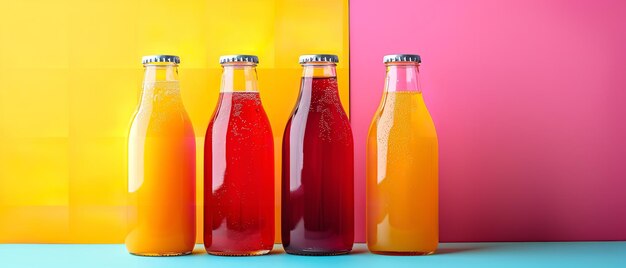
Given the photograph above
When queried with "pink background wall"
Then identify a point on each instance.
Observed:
(529, 100)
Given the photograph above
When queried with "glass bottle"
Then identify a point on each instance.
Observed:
(402, 166)
(161, 166)
(239, 166)
(318, 166)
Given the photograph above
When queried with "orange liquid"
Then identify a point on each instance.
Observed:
(161, 175)
(402, 177)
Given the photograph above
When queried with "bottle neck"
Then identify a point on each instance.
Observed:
(402, 76)
(160, 84)
(319, 70)
(239, 77)
(319, 85)
(160, 72)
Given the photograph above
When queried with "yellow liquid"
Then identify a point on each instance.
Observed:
(161, 181)
(402, 177)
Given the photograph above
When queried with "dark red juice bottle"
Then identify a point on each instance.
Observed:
(317, 173)
(239, 166)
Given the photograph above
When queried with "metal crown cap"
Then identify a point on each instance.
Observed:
(402, 58)
(160, 58)
(239, 58)
(319, 58)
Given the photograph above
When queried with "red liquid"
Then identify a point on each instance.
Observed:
(318, 174)
(239, 178)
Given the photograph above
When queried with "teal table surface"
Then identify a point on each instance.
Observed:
(552, 254)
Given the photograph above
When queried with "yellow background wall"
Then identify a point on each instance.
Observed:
(70, 76)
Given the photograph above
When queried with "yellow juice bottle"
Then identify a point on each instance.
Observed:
(161, 166)
(402, 167)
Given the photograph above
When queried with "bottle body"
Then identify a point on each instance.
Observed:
(318, 157)
(161, 164)
(239, 171)
(402, 170)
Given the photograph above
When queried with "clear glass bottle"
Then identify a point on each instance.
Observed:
(318, 166)
(161, 166)
(239, 166)
(402, 166)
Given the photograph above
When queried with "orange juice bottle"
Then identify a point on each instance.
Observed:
(161, 166)
(402, 166)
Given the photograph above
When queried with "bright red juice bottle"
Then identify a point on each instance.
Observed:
(318, 166)
(239, 166)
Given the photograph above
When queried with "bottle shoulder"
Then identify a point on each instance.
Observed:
(234, 120)
(320, 128)
(151, 121)
(408, 116)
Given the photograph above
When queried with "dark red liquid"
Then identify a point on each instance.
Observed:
(318, 175)
(239, 177)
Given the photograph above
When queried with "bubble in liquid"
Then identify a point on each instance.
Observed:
(326, 108)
